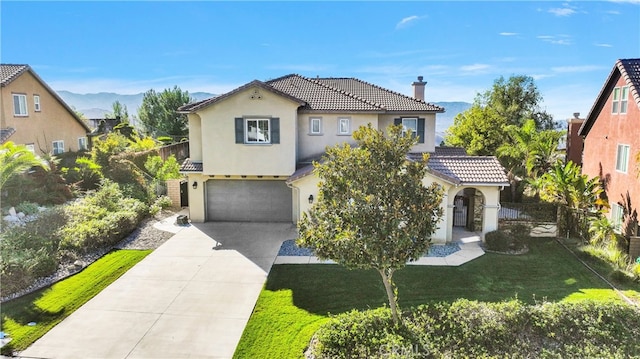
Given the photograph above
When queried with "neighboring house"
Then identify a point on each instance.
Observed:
(252, 150)
(612, 136)
(35, 115)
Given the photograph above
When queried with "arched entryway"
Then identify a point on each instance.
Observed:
(468, 210)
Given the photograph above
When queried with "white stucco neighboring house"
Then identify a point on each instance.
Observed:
(252, 150)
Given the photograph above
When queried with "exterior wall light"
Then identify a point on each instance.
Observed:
(310, 199)
(195, 184)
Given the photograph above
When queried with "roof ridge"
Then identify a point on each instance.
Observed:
(344, 92)
(394, 92)
(621, 65)
(281, 78)
(22, 69)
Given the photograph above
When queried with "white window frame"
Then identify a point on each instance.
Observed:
(344, 126)
(313, 121)
(82, 143)
(31, 147)
(407, 129)
(624, 99)
(36, 103)
(21, 110)
(622, 158)
(617, 215)
(620, 101)
(58, 147)
(248, 129)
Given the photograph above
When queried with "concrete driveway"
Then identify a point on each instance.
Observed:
(190, 298)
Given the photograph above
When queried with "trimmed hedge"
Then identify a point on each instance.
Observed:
(471, 329)
(500, 241)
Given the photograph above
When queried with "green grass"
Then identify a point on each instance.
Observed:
(297, 299)
(49, 306)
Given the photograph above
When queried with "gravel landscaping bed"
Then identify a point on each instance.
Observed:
(145, 236)
(289, 248)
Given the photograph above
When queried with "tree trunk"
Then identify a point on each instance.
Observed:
(389, 287)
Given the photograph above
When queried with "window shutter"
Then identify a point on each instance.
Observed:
(275, 130)
(421, 130)
(397, 121)
(239, 130)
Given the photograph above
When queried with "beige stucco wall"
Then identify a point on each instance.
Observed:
(195, 137)
(222, 156)
(53, 123)
(302, 189)
(197, 197)
(429, 144)
(311, 145)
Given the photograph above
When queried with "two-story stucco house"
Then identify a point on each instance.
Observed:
(252, 150)
(611, 134)
(34, 115)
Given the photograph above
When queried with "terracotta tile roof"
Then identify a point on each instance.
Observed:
(462, 170)
(331, 95)
(456, 169)
(390, 100)
(10, 72)
(5, 133)
(629, 69)
(449, 151)
(189, 166)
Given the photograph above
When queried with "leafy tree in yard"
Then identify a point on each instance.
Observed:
(373, 210)
(119, 112)
(158, 112)
(16, 159)
(481, 129)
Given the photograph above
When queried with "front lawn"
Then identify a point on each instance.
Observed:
(297, 299)
(49, 306)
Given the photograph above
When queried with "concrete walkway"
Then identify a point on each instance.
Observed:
(190, 298)
(470, 249)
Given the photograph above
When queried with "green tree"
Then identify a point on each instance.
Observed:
(565, 184)
(373, 210)
(16, 159)
(159, 116)
(119, 112)
(481, 129)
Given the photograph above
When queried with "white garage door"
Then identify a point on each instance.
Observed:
(248, 201)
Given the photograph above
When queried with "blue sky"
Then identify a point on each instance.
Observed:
(460, 48)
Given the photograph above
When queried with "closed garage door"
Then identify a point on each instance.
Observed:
(248, 201)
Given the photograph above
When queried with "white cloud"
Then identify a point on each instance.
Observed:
(407, 21)
(603, 45)
(613, 12)
(508, 33)
(635, 2)
(556, 39)
(475, 67)
(565, 10)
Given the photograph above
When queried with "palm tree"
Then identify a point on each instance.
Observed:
(16, 159)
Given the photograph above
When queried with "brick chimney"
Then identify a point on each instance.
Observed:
(418, 88)
(575, 143)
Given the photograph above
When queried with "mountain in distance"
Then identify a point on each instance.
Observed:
(96, 105)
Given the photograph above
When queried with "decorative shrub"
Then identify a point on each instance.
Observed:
(28, 208)
(499, 241)
(101, 219)
(29, 251)
(471, 329)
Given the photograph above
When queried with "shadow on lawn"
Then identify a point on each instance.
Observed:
(546, 272)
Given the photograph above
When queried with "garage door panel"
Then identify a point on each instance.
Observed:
(248, 200)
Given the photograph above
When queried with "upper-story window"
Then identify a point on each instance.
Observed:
(20, 105)
(622, 158)
(257, 130)
(315, 125)
(82, 143)
(31, 147)
(58, 147)
(410, 126)
(620, 100)
(36, 103)
(344, 126)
